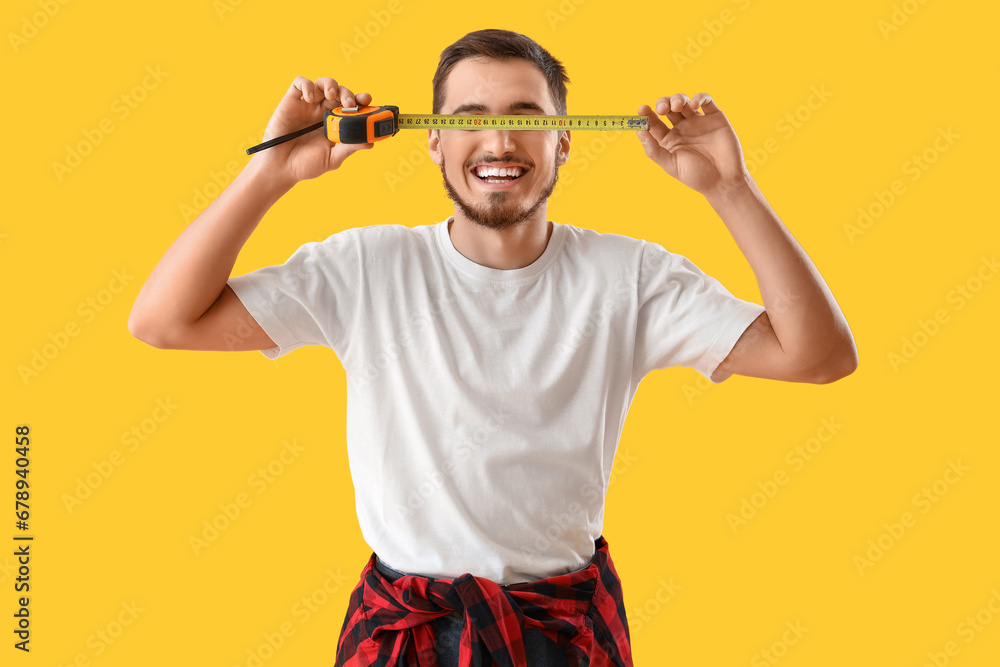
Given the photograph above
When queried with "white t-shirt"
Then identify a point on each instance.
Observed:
(485, 406)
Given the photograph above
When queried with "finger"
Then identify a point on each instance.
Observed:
(656, 127)
(663, 108)
(364, 99)
(327, 84)
(332, 100)
(677, 101)
(347, 98)
(683, 105)
(331, 92)
(709, 106)
(295, 90)
(701, 100)
(303, 89)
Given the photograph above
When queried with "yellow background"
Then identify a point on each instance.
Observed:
(690, 453)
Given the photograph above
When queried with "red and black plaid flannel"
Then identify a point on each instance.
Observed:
(387, 622)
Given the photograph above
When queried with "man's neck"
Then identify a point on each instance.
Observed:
(511, 248)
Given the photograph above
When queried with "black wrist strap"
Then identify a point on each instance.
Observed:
(283, 138)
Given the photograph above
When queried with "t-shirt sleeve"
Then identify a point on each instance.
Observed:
(308, 299)
(685, 317)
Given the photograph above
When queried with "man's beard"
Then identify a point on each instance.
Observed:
(502, 209)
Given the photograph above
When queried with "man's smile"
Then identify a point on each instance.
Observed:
(498, 175)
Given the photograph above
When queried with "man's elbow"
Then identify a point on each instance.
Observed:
(835, 366)
(149, 334)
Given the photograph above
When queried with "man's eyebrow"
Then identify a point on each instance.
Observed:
(526, 106)
(515, 106)
(470, 107)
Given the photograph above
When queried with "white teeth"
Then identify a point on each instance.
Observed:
(484, 172)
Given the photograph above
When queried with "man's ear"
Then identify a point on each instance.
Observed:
(562, 149)
(434, 145)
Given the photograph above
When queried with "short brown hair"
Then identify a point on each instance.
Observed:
(501, 45)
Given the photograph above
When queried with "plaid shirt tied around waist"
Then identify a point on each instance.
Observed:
(387, 622)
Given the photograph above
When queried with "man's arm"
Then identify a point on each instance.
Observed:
(802, 336)
(186, 302)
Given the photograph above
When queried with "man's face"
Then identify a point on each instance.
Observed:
(530, 160)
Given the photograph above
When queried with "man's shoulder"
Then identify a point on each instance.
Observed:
(584, 239)
(384, 233)
(380, 247)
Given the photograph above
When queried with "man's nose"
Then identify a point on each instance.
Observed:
(498, 142)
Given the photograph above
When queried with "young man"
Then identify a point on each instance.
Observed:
(491, 357)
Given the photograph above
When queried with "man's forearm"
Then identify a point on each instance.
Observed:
(193, 272)
(803, 313)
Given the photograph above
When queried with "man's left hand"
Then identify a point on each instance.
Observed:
(701, 150)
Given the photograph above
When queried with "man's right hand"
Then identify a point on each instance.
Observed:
(312, 154)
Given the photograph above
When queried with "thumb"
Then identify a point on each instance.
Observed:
(354, 148)
(347, 150)
(340, 152)
(654, 150)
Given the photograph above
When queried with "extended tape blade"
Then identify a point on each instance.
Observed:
(519, 122)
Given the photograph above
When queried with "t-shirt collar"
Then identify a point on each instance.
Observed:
(466, 265)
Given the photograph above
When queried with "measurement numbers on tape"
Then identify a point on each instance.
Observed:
(520, 122)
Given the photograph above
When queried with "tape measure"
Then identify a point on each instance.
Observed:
(368, 124)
